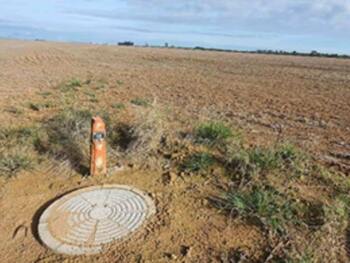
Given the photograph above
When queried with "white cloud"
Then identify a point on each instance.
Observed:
(296, 14)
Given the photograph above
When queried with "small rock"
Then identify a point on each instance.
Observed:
(170, 255)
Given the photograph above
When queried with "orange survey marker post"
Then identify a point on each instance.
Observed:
(98, 151)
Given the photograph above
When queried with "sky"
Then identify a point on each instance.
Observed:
(301, 25)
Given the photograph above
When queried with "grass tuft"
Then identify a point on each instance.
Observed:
(11, 164)
(15, 149)
(118, 106)
(140, 102)
(249, 162)
(73, 83)
(39, 106)
(212, 133)
(66, 136)
(265, 206)
(198, 162)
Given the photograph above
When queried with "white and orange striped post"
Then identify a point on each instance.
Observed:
(98, 149)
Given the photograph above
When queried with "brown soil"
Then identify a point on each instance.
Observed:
(303, 100)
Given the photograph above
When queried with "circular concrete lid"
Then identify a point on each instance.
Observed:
(82, 221)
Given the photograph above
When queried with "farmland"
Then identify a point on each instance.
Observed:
(247, 156)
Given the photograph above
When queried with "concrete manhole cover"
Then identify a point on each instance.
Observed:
(83, 221)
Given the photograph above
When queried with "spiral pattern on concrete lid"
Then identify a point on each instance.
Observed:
(83, 221)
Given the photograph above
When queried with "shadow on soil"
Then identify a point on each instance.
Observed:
(35, 219)
(121, 136)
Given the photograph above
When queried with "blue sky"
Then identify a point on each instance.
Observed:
(301, 25)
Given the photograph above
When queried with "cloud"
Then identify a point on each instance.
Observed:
(273, 15)
(277, 24)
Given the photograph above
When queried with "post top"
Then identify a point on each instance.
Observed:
(98, 124)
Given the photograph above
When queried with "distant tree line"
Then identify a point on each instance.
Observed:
(126, 43)
(313, 53)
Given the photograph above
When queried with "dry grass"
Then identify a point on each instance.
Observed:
(17, 150)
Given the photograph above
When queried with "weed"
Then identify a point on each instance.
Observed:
(147, 132)
(119, 106)
(119, 82)
(268, 194)
(71, 85)
(45, 93)
(90, 94)
(263, 158)
(101, 86)
(290, 157)
(313, 215)
(10, 137)
(140, 102)
(74, 83)
(10, 164)
(268, 207)
(67, 136)
(14, 110)
(249, 162)
(94, 100)
(198, 162)
(39, 106)
(212, 133)
(15, 144)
